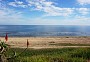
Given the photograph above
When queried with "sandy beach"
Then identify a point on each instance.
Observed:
(46, 42)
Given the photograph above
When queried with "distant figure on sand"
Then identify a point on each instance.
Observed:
(6, 37)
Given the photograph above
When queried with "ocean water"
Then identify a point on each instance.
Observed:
(44, 30)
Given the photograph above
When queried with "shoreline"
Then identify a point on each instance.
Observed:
(47, 36)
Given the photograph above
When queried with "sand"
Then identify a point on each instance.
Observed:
(44, 42)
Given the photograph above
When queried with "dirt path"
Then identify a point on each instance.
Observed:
(44, 47)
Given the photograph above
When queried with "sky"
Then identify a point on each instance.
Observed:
(44, 12)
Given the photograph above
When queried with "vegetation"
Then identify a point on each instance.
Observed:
(44, 55)
(8, 54)
(51, 55)
(5, 56)
(68, 44)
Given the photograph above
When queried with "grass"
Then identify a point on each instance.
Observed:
(68, 44)
(52, 55)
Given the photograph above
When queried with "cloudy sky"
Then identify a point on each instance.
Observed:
(44, 12)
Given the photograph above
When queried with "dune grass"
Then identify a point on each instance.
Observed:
(68, 44)
(51, 55)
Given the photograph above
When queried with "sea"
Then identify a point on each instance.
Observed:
(43, 30)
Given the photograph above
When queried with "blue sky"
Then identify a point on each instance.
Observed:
(44, 12)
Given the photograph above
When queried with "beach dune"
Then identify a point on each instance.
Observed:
(45, 42)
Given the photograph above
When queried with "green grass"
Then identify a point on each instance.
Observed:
(52, 55)
(68, 44)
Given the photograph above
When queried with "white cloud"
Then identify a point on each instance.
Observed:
(65, 21)
(81, 18)
(83, 2)
(83, 11)
(14, 17)
(5, 13)
(17, 4)
(13, 4)
(10, 16)
(49, 8)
